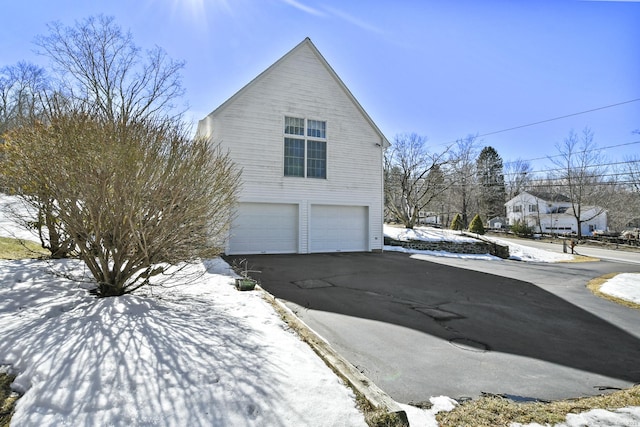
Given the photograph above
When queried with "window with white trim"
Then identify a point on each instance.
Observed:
(305, 148)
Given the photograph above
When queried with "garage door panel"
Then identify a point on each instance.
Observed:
(264, 228)
(337, 228)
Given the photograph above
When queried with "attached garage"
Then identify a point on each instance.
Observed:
(277, 228)
(264, 228)
(336, 228)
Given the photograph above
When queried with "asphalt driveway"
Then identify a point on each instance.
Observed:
(421, 329)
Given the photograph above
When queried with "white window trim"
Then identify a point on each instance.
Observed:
(306, 139)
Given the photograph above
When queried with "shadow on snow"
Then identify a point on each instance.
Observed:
(124, 351)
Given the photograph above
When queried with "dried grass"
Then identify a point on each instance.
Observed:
(7, 399)
(20, 249)
(580, 258)
(496, 411)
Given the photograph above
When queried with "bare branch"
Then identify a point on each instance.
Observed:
(413, 178)
(101, 67)
(579, 163)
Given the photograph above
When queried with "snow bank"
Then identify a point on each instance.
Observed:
(526, 253)
(625, 286)
(517, 252)
(625, 417)
(419, 254)
(425, 234)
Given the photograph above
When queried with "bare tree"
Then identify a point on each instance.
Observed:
(22, 87)
(413, 178)
(580, 169)
(100, 66)
(135, 198)
(462, 163)
(626, 211)
(518, 176)
(631, 171)
(99, 70)
(111, 168)
(25, 95)
(625, 206)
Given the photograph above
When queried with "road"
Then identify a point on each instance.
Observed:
(586, 250)
(462, 327)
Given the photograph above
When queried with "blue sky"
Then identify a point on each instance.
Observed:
(443, 69)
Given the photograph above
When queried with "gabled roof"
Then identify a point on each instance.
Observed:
(307, 43)
(549, 197)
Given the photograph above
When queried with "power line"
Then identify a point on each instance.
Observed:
(586, 151)
(543, 185)
(561, 117)
(598, 165)
(548, 120)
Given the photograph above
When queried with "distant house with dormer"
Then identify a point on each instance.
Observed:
(553, 214)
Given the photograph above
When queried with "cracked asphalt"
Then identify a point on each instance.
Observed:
(420, 329)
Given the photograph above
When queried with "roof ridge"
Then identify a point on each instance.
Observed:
(307, 41)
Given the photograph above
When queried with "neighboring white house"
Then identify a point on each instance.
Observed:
(553, 214)
(311, 160)
(497, 222)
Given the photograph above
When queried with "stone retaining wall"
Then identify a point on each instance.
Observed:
(479, 247)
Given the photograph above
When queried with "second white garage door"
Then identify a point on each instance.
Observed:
(335, 228)
(268, 228)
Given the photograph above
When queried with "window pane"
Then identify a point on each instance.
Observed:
(293, 126)
(316, 129)
(293, 157)
(316, 159)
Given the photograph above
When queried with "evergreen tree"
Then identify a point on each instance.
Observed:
(490, 176)
(476, 225)
(457, 223)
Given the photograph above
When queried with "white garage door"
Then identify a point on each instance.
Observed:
(268, 228)
(339, 228)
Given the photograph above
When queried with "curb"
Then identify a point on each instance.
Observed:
(356, 379)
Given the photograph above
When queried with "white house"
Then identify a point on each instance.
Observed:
(553, 214)
(311, 160)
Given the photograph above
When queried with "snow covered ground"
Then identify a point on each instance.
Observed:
(430, 234)
(525, 253)
(624, 417)
(195, 352)
(9, 207)
(192, 352)
(426, 234)
(625, 286)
